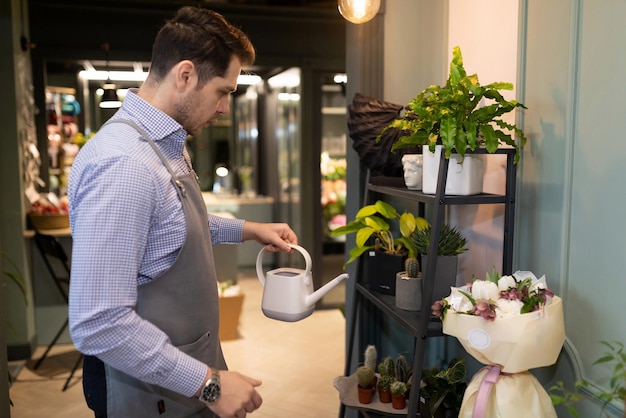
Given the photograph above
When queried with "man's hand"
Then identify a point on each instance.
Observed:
(238, 396)
(277, 236)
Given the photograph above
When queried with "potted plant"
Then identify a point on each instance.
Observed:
(366, 385)
(409, 286)
(383, 252)
(451, 244)
(443, 390)
(462, 115)
(398, 394)
(387, 372)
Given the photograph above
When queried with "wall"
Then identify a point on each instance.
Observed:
(572, 175)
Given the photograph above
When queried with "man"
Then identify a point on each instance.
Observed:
(143, 297)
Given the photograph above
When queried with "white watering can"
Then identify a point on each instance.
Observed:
(288, 292)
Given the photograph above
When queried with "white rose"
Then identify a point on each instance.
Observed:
(482, 289)
(458, 301)
(506, 282)
(508, 308)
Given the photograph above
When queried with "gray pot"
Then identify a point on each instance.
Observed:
(445, 275)
(408, 292)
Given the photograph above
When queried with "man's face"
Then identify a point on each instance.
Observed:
(201, 107)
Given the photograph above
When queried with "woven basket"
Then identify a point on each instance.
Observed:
(51, 221)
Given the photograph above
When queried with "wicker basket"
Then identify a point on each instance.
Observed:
(51, 221)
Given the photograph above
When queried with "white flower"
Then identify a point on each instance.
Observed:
(482, 289)
(458, 301)
(522, 275)
(508, 308)
(506, 282)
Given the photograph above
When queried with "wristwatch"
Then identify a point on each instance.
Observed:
(212, 389)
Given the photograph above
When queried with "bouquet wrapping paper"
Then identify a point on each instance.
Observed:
(518, 395)
(509, 347)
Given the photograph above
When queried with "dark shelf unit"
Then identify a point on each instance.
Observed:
(421, 327)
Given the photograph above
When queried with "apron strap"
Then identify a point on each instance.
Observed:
(180, 188)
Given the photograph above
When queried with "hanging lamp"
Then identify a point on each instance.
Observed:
(358, 11)
(109, 98)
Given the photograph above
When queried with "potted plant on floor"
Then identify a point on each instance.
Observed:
(383, 253)
(443, 390)
(451, 244)
(462, 115)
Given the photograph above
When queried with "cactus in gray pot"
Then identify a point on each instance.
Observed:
(412, 267)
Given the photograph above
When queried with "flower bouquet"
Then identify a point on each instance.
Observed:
(511, 324)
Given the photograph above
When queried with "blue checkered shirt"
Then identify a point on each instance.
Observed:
(127, 227)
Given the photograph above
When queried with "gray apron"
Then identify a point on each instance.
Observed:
(183, 303)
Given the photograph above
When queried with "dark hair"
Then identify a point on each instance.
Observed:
(205, 38)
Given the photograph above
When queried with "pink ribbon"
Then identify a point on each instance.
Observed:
(489, 379)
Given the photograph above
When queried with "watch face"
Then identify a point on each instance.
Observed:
(211, 392)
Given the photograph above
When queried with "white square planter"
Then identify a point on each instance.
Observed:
(463, 179)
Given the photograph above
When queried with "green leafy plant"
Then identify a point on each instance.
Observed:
(615, 356)
(373, 228)
(444, 388)
(451, 241)
(454, 115)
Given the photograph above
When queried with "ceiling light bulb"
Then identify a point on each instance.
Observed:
(358, 11)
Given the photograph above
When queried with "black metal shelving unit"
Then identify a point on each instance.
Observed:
(422, 325)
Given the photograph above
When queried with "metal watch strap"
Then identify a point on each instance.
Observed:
(212, 388)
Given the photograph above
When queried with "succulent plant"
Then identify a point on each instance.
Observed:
(371, 356)
(387, 368)
(412, 267)
(365, 376)
(451, 241)
(398, 388)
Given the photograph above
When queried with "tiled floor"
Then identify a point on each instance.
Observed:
(297, 363)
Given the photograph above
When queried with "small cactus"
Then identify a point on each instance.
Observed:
(365, 376)
(387, 368)
(411, 266)
(385, 382)
(398, 388)
(371, 356)
(401, 368)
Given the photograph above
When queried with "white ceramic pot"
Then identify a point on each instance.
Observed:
(463, 179)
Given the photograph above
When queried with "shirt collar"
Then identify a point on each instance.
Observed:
(157, 123)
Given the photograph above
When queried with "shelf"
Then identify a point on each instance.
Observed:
(422, 325)
(394, 186)
(409, 320)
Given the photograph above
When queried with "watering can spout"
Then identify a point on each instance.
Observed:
(313, 298)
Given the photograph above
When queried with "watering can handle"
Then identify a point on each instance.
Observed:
(305, 254)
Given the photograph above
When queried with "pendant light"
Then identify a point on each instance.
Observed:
(358, 11)
(109, 90)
